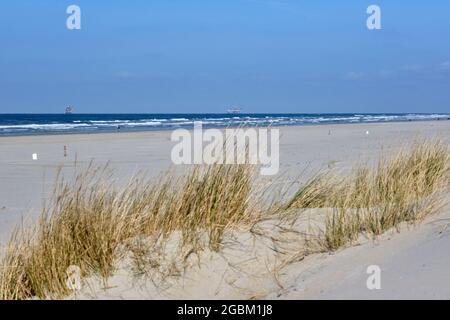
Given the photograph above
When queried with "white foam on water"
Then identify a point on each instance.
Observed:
(113, 124)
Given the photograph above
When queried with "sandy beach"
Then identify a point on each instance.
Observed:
(414, 262)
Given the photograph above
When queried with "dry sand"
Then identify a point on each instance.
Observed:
(414, 263)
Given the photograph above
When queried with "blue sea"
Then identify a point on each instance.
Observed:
(29, 124)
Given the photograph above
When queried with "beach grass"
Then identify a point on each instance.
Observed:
(370, 200)
(89, 219)
(91, 222)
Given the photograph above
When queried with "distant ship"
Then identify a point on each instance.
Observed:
(234, 110)
(69, 110)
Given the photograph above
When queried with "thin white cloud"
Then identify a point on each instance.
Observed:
(412, 67)
(386, 73)
(445, 65)
(353, 75)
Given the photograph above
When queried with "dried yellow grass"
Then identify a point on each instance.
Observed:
(91, 223)
(89, 220)
(371, 200)
(208, 198)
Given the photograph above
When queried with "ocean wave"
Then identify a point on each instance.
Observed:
(179, 119)
(54, 126)
(132, 122)
(108, 121)
(147, 123)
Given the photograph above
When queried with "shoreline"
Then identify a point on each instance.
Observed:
(159, 130)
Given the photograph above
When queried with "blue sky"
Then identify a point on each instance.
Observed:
(206, 55)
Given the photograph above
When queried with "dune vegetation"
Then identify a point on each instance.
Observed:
(371, 200)
(92, 223)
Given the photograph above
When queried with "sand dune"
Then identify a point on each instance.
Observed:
(413, 263)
